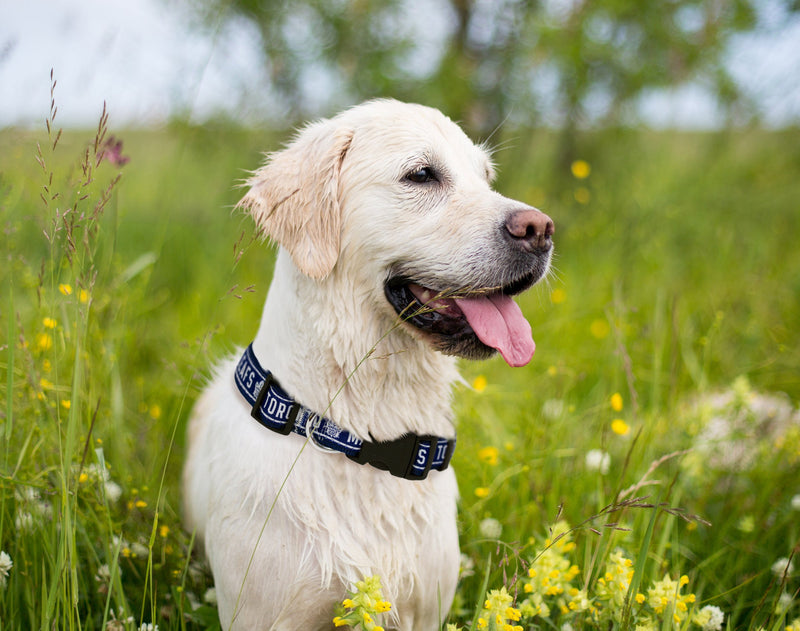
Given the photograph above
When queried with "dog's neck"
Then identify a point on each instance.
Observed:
(315, 338)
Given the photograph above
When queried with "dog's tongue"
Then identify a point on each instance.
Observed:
(499, 323)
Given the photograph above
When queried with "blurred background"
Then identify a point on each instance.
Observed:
(563, 63)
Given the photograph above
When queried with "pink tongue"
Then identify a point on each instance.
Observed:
(499, 323)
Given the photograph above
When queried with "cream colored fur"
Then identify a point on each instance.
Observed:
(333, 200)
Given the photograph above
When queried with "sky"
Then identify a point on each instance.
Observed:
(147, 61)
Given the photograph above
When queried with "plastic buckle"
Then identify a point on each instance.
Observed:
(255, 412)
(398, 456)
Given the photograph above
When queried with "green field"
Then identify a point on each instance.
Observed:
(668, 352)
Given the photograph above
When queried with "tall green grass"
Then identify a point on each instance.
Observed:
(677, 277)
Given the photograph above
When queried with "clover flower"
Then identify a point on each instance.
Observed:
(5, 567)
(31, 509)
(598, 460)
(782, 566)
(364, 603)
(553, 408)
(466, 567)
(710, 618)
(490, 528)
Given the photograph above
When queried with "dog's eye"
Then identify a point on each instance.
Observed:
(422, 176)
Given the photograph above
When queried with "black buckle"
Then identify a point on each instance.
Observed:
(398, 456)
(255, 412)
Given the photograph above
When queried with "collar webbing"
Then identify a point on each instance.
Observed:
(410, 456)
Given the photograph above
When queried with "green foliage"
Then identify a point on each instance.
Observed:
(485, 61)
(672, 310)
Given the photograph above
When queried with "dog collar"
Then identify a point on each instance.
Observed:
(411, 456)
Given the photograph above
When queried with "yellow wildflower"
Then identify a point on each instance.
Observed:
(557, 296)
(667, 592)
(479, 384)
(163, 531)
(616, 402)
(599, 329)
(50, 323)
(580, 169)
(44, 342)
(620, 427)
(481, 492)
(84, 296)
(488, 455)
(582, 195)
(65, 289)
(66, 404)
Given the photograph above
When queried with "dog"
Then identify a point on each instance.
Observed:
(320, 455)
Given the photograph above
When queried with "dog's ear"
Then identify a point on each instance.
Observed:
(294, 197)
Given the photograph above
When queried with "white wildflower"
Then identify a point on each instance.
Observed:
(103, 574)
(210, 597)
(23, 521)
(148, 626)
(113, 490)
(710, 618)
(467, 567)
(490, 528)
(598, 460)
(5, 567)
(795, 503)
(553, 408)
(782, 566)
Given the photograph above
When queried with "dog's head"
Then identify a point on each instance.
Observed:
(398, 198)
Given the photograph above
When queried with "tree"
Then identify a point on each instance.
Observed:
(483, 61)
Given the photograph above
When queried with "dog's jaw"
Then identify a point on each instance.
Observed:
(375, 380)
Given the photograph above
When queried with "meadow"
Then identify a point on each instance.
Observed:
(642, 472)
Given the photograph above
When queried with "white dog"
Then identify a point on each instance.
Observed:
(380, 210)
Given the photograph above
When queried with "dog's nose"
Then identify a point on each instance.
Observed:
(530, 228)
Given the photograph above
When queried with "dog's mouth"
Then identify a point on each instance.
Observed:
(470, 322)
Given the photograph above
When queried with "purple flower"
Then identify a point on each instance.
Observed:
(111, 150)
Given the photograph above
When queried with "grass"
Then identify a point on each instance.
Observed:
(677, 278)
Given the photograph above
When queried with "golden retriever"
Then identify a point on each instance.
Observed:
(320, 455)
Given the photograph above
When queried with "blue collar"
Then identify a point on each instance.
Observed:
(410, 456)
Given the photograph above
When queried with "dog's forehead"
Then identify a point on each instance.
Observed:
(403, 131)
